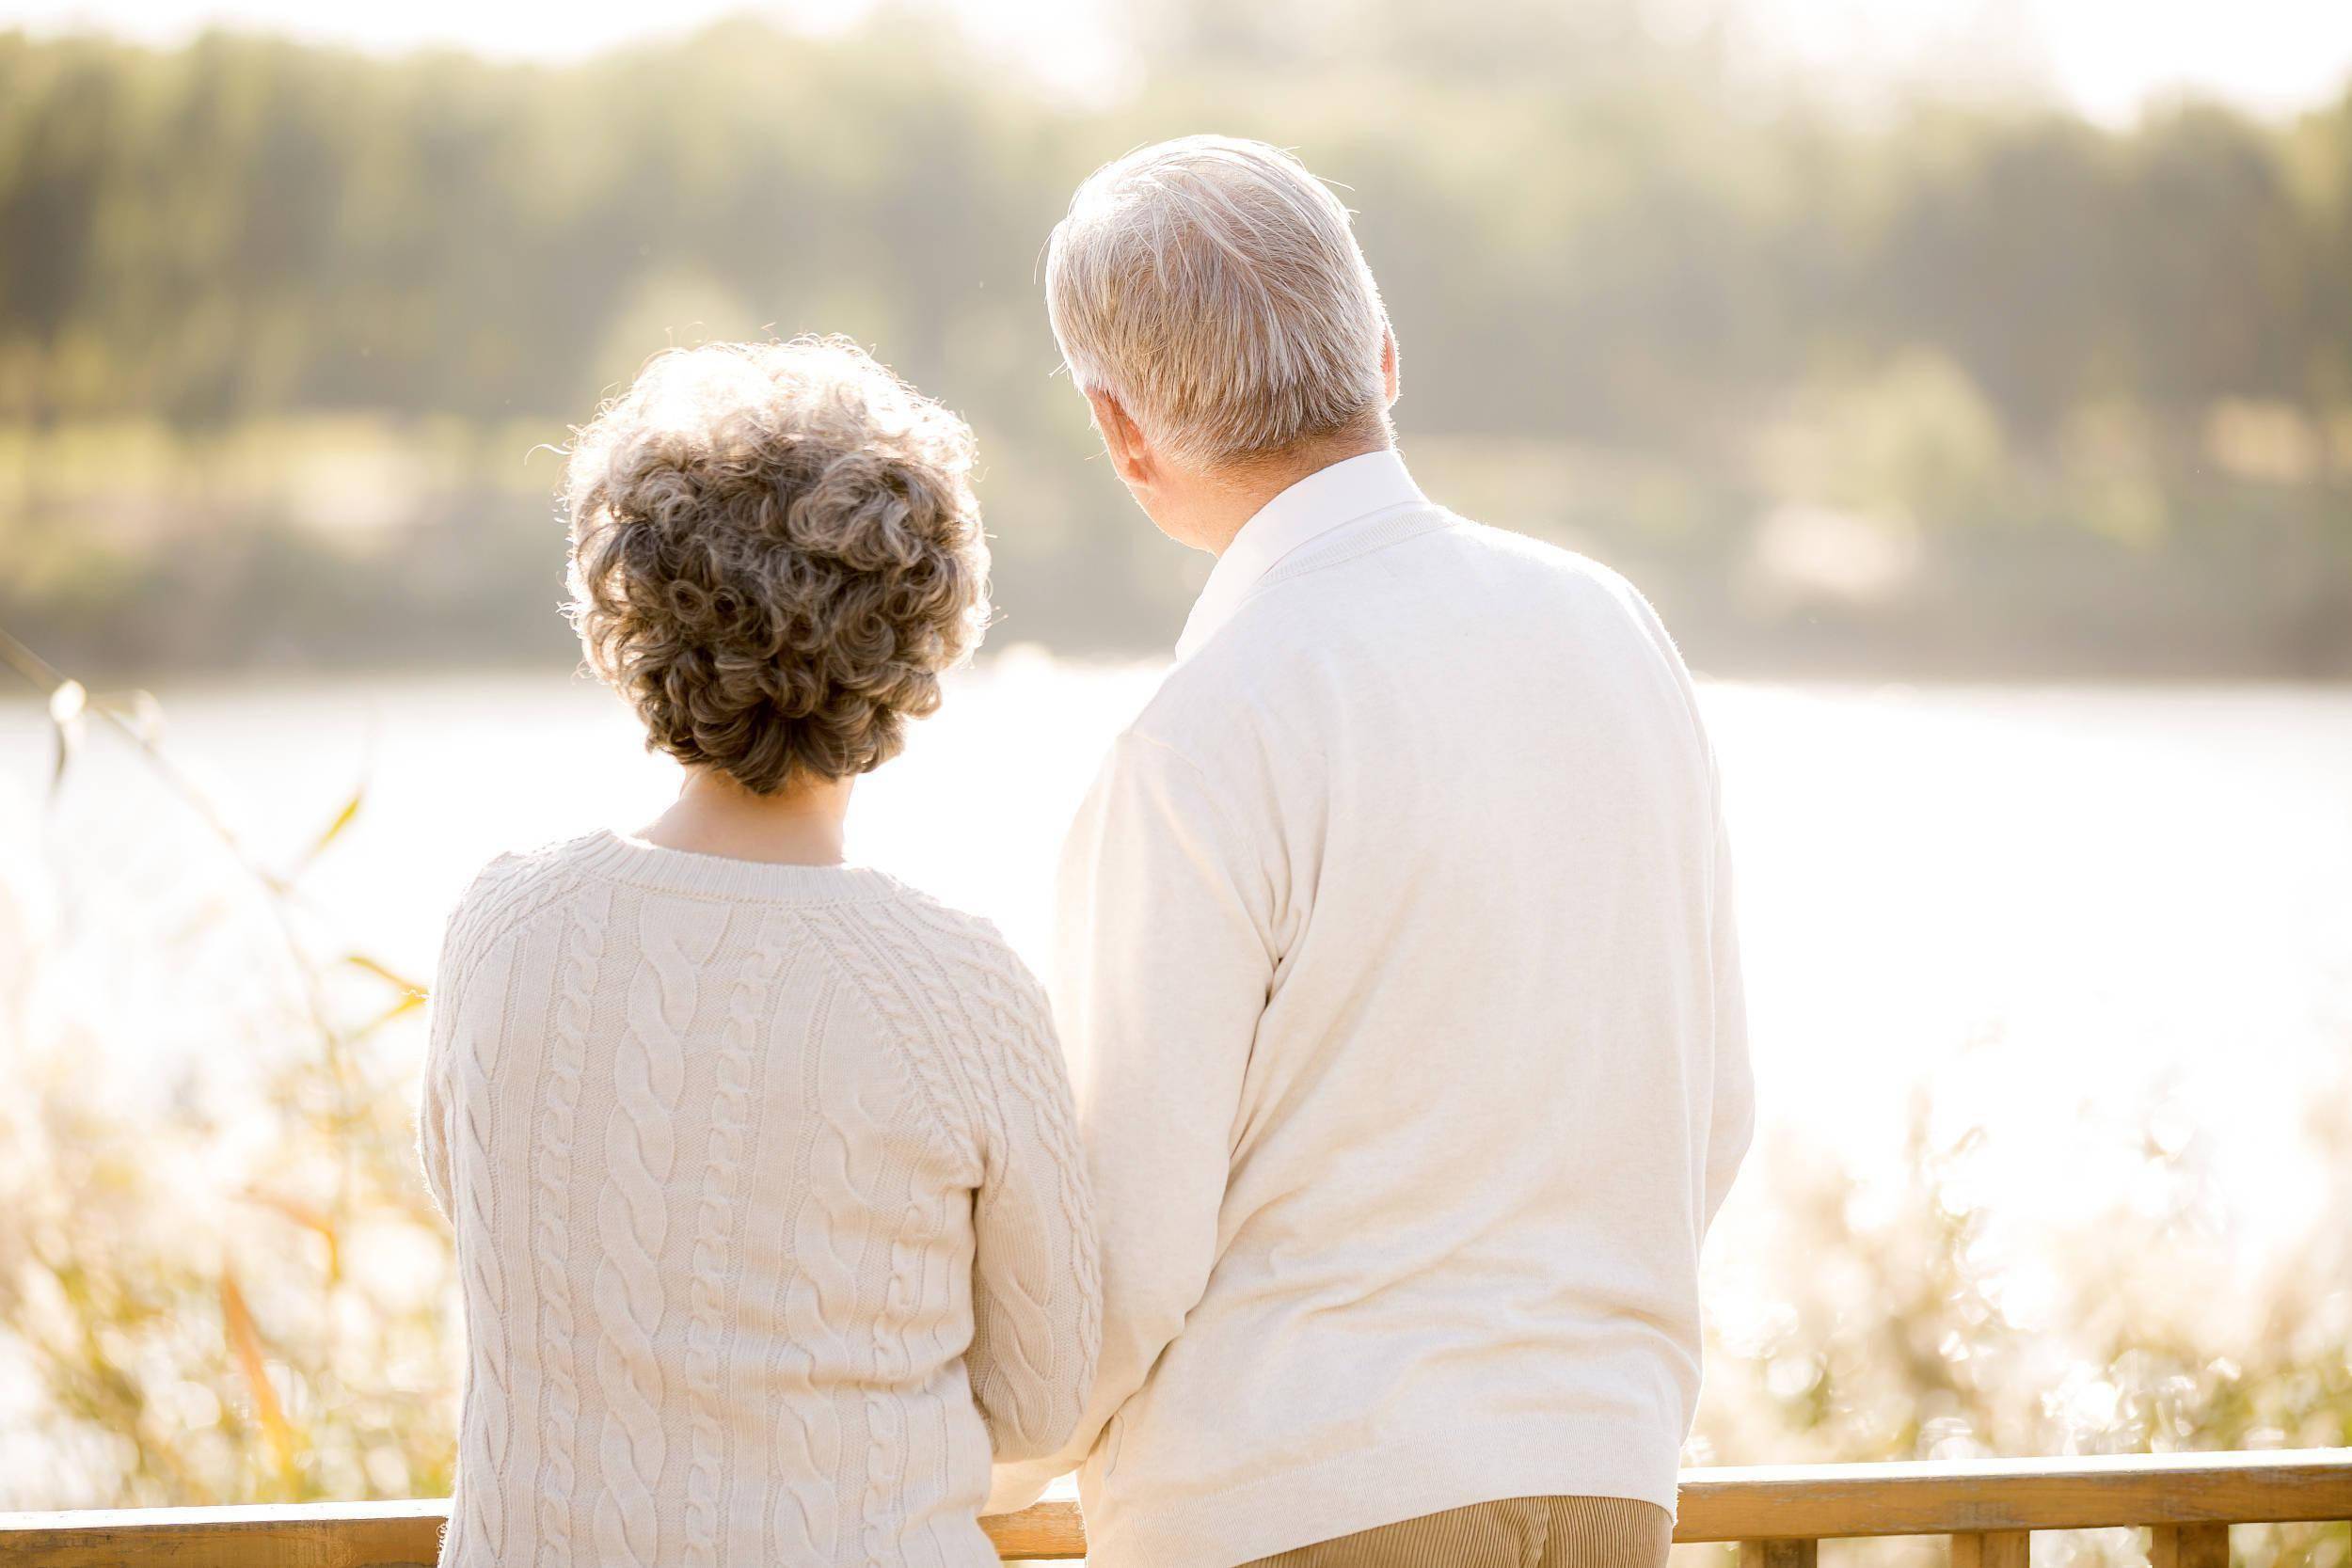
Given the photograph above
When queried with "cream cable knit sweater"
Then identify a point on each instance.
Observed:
(771, 1221)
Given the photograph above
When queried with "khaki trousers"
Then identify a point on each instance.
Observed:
(1516, 1532)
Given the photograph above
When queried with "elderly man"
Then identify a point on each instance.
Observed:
(1397, 967)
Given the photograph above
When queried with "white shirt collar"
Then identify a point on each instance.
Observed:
(1346, 492)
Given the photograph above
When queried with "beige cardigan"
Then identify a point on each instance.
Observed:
(1402, 991)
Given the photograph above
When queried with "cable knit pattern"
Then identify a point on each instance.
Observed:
(736, 1066)
(505, 896)
(551, 1245)
(951, 957)
(806, 1436)
(481, 1516)
(633, 1218)
(772, 1221)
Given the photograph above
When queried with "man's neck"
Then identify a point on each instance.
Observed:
(1235, 497)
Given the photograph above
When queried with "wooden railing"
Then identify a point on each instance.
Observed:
(1778, 1515)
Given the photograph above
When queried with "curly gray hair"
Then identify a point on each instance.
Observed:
(775, 553)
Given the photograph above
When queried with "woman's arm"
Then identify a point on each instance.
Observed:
(1036, 1288)
(432, 1108)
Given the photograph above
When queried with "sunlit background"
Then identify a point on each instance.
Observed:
(1970, 385)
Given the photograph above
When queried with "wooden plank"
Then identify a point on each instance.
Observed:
(1822, 1501)
(1779, 1554)
(2008, 1549)
(339, 1535)
(1792, 1506)
(353, 1535)
(2189, 1547)
(1050, 1530)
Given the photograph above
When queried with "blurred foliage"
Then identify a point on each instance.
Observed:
(216, 1294)
(1899, 1317)
(282, 328)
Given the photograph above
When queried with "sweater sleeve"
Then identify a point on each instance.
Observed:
(1036, 1289)
(1163, 971)
(433, 1109)
(1732, 1116)
(475, 921)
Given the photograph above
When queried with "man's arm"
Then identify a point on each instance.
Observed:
(1164, 963)
(1732, 1121)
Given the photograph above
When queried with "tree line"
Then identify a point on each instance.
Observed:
(1647, 308)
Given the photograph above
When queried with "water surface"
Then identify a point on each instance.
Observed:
(2079, 918)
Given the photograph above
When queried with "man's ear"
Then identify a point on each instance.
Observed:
(1391, 379)
(1130, 454)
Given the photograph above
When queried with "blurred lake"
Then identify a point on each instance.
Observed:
(2088, 921)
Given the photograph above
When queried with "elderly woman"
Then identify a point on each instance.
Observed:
(771, 1221)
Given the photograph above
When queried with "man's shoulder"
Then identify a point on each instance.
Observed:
(1508, 551)
(1571, 578)
(1221, 689)
(1336, 600)
(1455, 548)
(1299, 643)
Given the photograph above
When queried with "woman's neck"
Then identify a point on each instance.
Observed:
(799, 825)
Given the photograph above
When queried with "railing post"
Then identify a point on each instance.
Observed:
(1779, 1554)
(2001, 1548)
(2189, 1547)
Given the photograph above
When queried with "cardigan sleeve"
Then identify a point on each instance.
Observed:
(1164, 965)
(1731, 1123)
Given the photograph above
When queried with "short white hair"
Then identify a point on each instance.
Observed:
(1214, 288)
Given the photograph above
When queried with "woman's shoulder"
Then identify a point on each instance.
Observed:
(931, 913)
(945, 980)
(957, 961)
(974, 936)
(508, 890)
